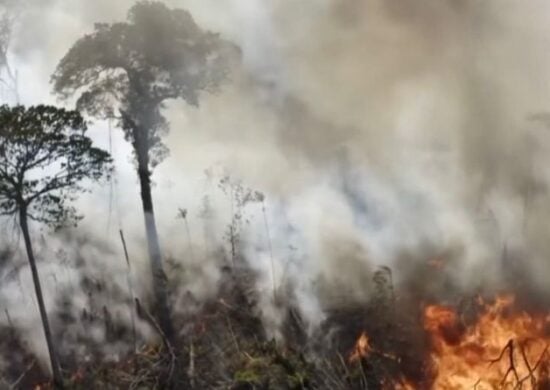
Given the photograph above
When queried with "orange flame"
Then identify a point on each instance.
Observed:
(362, 348)
(505, 348)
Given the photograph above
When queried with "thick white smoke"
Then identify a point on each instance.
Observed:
(372, 127)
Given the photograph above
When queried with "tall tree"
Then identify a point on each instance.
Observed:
(128, 71)
(45, 156)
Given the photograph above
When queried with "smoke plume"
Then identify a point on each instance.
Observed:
(376, 132)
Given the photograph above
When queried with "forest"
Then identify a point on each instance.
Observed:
(272, 194)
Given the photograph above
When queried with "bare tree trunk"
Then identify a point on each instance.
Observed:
(162, 309)
(58, 380)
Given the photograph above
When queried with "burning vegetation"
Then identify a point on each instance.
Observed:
(499, 346)
(399, 338)
(399, 239)
(457, 340)
(503, 346)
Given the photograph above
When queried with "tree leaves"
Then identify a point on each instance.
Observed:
(159, 54)
(45, 156)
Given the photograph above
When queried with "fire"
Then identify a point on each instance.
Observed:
(504, 348)
(362, 348)
(500, 347)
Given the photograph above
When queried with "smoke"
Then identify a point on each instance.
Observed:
(373, 128)
(377, 128)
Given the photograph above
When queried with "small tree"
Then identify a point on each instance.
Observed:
(130, 70)
(45, 156)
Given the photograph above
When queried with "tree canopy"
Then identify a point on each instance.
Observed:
(45, 156)
(127, 71)
(130, 68)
